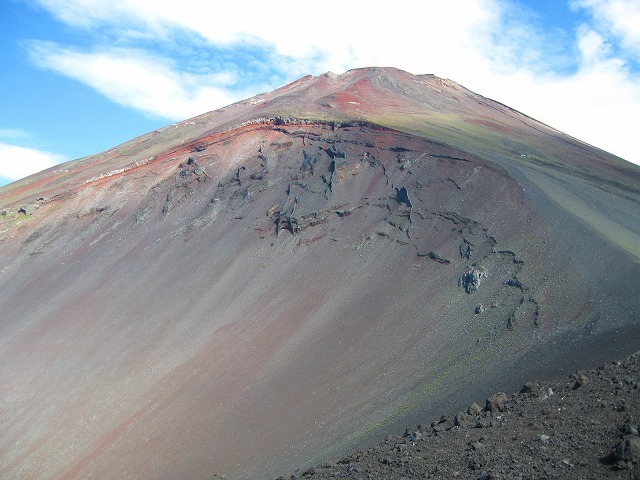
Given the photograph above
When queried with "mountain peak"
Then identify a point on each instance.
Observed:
(425, 105)
(301, 273)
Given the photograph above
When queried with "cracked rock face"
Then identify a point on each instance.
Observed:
(200, 299)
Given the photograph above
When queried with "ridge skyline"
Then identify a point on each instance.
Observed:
(81, 80)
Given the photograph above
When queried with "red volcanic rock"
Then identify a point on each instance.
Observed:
(276, 282)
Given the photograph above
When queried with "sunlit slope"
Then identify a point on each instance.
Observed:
(273, 283)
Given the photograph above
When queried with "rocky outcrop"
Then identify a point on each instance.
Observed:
(472, 278)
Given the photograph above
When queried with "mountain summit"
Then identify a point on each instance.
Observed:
(273, 283)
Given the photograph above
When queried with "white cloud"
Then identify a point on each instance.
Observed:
(595, 104)
(619, 17)
(13, 133)
(431, 39)
(18, 162)
(133, 78)
(592, 46)
(490, 46)
(350, 34)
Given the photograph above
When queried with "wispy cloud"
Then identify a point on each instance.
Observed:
(620, 18)
(13, 133)
(360, 35)
(179, 59)
(140, 80)
(17, 162)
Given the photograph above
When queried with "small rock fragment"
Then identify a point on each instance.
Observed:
(496, 402)
(470, 280)
(546, 393)
(629, 429)
(581, 380)
(628, 450)
(474, 409)
(483, 422)
(461, 419)
(530, 388)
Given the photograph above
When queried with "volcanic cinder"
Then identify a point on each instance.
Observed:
(276, 282)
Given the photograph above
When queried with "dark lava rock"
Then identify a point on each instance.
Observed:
(581, 380)
(27, 209)
(628, 450)
(471, 279)
(530, 388)
(474, 409)
(462, 419)
(483, 422)
(496, 402)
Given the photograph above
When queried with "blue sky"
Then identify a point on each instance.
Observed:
(81, 76)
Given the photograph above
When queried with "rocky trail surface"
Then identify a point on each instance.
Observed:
(582, 427)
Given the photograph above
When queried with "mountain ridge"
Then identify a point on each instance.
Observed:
(308, 82)
(222, 295)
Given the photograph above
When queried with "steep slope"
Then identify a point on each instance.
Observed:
(273, 283)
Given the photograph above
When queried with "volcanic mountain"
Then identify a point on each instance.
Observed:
(274, 283)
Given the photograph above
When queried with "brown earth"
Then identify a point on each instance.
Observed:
(294, 276)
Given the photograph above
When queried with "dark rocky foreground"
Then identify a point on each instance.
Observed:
(585, 426)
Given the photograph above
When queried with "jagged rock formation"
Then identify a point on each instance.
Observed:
(282, 280)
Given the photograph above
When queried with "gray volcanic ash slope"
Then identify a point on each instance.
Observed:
(290, 277)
